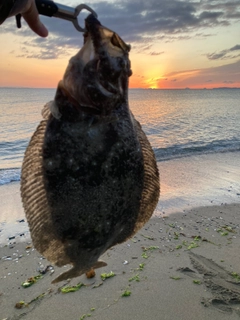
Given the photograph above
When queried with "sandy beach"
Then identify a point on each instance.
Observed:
(183, 266)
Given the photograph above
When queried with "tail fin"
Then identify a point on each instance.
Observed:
(72, 273)
(99, 264)
(76, 272)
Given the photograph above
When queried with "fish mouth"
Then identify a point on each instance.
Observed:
(98, 75)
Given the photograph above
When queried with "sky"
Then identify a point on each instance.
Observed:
(174, 44)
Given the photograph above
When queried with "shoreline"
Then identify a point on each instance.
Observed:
(176, 266)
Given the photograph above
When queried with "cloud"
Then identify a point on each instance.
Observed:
(227, 74)
(237, 47)
(156, 53)
(138, 22)
(228, 81)
(224, 54)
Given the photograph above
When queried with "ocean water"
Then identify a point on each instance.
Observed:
(178, 123)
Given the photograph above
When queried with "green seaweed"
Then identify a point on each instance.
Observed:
(85, 316)
(172, 225)
(229, 229)
(236, 276)
(196, 281)
(126, 293)
(105, 276)
(135, 278)
(72, 289)
(144, 255)
(197, 238)
(192, 245)
(30, 281)
(141, 266)
(223, 231)
(179, 247)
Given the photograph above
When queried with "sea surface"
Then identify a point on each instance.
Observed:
(195, 135)
(178, 123)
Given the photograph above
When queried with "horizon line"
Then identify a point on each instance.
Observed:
(134, 88)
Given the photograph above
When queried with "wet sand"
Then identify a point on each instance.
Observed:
(185, 266)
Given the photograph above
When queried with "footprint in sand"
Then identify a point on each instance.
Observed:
(220, 282)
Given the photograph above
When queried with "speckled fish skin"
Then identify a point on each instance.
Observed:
(89, 175)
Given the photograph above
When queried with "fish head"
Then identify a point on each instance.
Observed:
(96, 78)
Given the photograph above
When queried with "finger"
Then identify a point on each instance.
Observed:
(31, 16)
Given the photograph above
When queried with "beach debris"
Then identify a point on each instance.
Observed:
(28, 247)
(236, 276)
(141, 266)
(148, 237)
(11, 238)
(197, 238)
(43, 270)
(150, 248)
(20, 220)
(224, 230)
(97, 285)
(192, 245)
(126, 293)
(178, 247)
(73, 288)
(30, 281)
(196, 281)
(85, 316)
(135, 278)
(125, 262)
(105, 276)
(90, 274)
(144, 255)
(5, 258)
(176, 235)
(172, 225)
(175, 278)
(20, 305)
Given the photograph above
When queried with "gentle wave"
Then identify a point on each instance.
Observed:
(181, 151)
(9, 175)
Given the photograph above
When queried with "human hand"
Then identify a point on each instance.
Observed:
(31, 16)
(27, 9)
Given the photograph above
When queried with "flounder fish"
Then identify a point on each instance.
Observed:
(89, 175)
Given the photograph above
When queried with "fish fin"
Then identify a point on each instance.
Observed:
(99, 264)
(72, 273)
(46, 110)
(76, 272)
